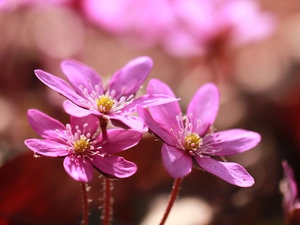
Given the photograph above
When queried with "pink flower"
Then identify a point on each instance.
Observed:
(188, 139)
(183, 28)
(144, 26)
(82, 146)
(116, 101)
(289, 190)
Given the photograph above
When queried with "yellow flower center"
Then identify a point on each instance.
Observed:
(192, 141)
(104, 103)
(81, 144)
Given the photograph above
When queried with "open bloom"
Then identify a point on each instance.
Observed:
(116, 101)
(82, 145)
(188, 139)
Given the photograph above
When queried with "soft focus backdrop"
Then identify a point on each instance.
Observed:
(250, 49)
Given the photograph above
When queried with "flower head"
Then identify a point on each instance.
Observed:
(115, 101)
(82, 146)
(188, 138)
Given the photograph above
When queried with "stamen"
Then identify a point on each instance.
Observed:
(81, 144)
(192, 142)
(104, 103)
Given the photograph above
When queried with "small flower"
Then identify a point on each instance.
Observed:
(115, 101)
(188, 139)
(289, 189)
(82, 145)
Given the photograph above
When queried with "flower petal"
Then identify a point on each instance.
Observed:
(146, 101)
(234, 141)
(75, 110)
(288, 187)
(78, 169)
(176, 161)
(128, 122)
(204, 107)
(47, 147)
(88, 124)
(129, 79)
(164, 114)
(233, 173)
(44, 125)
(81, 75)
(155, 128)
(59, 85)
(114, 165)
(120, 140)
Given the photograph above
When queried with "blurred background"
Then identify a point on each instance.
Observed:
(250, 49)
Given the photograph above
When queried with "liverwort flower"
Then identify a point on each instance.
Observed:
(115, 101)
(188, 139)
(82, 145)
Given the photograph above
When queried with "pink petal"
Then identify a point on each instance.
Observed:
(79, 169)
(59, 85)
(166, 136)
(235, 141)
(204, 108)
(44, 125)
(47, 147)
(233, 173)
(146, 101)
(114, 165)
(291, 192)
(128, 80)
(111, 16)
(120, 140)
(177, 162)
(77, 111)
(128, 122)
(165, 115)
(88, 124)
(81, 75)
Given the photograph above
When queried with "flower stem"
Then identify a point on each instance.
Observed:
(85, 204)
(107, 208)
(172, 198)
(103, 125)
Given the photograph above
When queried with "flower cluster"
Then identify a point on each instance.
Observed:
(86, 143)
(183, 28)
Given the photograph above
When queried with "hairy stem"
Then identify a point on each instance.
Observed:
(107, 201)
(172, 198)
(103, 125)
(85, 204)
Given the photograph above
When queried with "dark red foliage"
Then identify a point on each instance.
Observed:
(38, 191)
